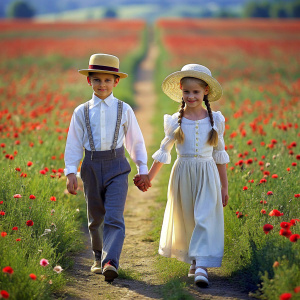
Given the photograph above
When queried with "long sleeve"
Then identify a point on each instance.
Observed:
(135, 144)
(74, 145)
(163, 154)
(219, 154)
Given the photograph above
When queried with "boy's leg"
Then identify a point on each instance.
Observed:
(95, 206)
(114, 225)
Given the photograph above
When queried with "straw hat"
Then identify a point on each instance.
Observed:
(103, 63)
(171, 84)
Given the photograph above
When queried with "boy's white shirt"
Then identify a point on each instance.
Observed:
(103, 119)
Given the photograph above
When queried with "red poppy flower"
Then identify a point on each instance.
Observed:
(263, 202)
(60, 170)
(249, 161)
(32, 276)
(250, 142)
(23, 175)
(263, 180)
(263, 211)
(297, 289)
(52, 198)
(245, 188)
(267, 228)
(285, 296)
(269, 193)
(260, 163)
(293, 144)
(262, 143)
(18, 169)
(294, 164)
(239, 215)
(298, 156)
(251, 181)
(285, 225)
(2, 145)
(30, 163)
(18, 240)
(297, 195)
(29, 223)
(8, 270)
(2, 213)
(17, 196)
(267, 173)
(43, 172)
(32, 197)
(3, 234)
(15, 228)
(46, 169)
(285, 232)
(1, 202)
(275, 213)
(274, 176)
(294, 237)
(288, 169)
(4, 294)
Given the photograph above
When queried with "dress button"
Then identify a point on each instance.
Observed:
(197, 145)
(197, 132)
(197, 139)
(195, 155)
(196, 150)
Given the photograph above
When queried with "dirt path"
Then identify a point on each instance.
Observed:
(137, 259)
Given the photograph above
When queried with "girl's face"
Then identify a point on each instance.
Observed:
(193, 92)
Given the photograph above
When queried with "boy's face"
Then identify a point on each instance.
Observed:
(103, 84)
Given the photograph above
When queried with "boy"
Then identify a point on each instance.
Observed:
(102, 126)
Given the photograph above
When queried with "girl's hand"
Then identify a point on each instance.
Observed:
(225, 197)
(142, 182)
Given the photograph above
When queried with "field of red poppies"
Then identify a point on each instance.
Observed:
(257, 64)
(39, 89)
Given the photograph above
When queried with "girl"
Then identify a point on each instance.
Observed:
(193, 229)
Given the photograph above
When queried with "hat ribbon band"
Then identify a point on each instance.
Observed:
(104, 68)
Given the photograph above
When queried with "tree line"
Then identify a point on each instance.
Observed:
(252, 9)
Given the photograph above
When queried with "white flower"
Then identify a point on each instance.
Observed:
(57, 269)
(268, 165)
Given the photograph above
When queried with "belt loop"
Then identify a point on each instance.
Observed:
(114, 152)
(92, 154)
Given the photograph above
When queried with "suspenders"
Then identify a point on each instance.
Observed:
(89, 131)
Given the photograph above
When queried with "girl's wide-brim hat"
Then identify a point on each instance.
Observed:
(171, 84)
(103, 63)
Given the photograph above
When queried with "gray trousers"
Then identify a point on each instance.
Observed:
(105, 181)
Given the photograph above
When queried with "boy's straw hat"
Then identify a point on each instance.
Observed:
(171, 84)
(103, 63)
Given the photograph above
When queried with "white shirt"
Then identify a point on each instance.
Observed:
(103, 119)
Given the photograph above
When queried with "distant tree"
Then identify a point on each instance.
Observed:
(110, 13)
(257, 10)
(296, 9)
(20, 9)
(279, 10)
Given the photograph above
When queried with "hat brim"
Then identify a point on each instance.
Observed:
(171, 85)
(87, 71)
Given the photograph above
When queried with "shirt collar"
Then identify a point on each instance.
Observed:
(108, 101)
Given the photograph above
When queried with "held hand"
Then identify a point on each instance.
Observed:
(225, 197)
(142, 182)
(72, 184)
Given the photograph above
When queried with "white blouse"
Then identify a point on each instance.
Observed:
(103, 118)
(195, 141)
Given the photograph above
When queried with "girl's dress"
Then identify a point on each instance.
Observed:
(193, 226)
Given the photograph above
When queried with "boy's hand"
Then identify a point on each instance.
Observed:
(72, 184)
(142, 182)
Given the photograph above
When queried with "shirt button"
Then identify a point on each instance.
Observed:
(197, 139)
(196, 150)
(197, 132)
(196, 144)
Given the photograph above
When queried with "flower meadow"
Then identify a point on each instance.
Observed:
(40, 87)
(256, 62)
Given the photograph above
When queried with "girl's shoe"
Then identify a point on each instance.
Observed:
(192, 270)
(96, 267)
(201, 277)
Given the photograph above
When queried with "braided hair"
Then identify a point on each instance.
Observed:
(213, 135)
(178, 133)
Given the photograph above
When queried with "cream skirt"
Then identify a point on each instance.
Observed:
(193, 226)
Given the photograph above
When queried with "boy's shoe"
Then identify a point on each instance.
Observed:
(109, 272)
(201, 277)
(96, 267)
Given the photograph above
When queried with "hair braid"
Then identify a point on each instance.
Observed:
(178, 133)
(213, 135)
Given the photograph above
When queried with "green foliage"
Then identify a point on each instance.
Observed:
(20, 9)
